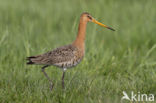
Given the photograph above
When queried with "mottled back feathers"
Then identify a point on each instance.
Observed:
(64, 57)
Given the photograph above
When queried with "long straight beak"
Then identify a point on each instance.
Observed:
(96, 22)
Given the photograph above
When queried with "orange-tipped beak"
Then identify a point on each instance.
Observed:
(96, 22)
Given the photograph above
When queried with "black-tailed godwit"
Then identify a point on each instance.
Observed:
(66, 56)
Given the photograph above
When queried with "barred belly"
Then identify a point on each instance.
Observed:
(68, 64)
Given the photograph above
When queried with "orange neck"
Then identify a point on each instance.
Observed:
(80, 39)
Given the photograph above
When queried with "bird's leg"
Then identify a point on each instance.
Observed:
(63, 77)
(51, 84)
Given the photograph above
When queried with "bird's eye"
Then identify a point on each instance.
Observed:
(89, 17)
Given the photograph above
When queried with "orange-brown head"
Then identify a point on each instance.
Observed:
(86, 17)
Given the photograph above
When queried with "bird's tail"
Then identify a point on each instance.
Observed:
(30, 60)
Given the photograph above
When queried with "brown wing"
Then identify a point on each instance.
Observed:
(62, 54)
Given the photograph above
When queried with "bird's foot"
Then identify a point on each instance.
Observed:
(51, 86)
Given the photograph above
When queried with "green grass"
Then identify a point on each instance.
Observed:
(124, 60)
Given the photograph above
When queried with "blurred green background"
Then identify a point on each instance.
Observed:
(124, 60)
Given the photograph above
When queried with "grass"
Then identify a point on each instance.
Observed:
(124, 60)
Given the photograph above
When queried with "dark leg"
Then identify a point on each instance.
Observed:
(63, 78)
(51, 84)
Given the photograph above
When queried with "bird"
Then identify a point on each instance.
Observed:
(67, 56)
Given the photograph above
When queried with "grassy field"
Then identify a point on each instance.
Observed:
(124, 60)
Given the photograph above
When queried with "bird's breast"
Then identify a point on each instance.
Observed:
(76, 59)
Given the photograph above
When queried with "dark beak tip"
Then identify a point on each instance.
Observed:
(111, 28)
